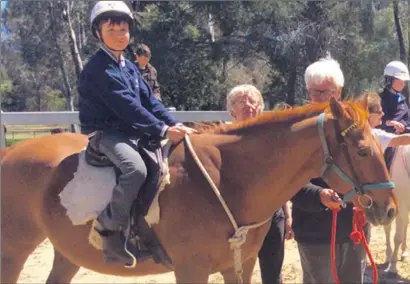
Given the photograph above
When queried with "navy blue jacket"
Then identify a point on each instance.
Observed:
(113, 94)
(312, 223)
(395, 108)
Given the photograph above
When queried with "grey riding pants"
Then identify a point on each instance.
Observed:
(121, 151)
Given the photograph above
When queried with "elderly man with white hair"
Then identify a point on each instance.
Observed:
(312, 221)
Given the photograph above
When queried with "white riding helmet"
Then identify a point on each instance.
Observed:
(398, 70)
(104, 8)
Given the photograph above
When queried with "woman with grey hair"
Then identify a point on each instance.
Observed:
(242, 102)
(312, 221)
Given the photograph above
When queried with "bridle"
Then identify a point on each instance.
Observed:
(329, 163)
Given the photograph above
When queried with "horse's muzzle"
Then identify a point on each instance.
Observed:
(377, 215)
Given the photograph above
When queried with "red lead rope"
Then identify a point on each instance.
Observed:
(357, 236)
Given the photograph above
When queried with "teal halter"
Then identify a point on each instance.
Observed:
(356, 187)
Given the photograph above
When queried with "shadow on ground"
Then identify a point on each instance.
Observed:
(384, 278)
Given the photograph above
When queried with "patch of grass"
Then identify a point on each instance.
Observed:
(35, 127)
(25, 135)
(10, 142)
(17, 133)
(21, 132)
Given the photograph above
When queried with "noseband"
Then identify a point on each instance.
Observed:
(329, 163)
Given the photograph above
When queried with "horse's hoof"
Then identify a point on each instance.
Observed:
(387, 267)
(391, 269)
(391, 275)
(404, 255)
(384, 265)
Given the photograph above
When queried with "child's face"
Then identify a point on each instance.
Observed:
(398, 85)
(143, 60)
(375, 117)
(115, 36)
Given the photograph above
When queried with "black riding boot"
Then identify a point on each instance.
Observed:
(113, 239)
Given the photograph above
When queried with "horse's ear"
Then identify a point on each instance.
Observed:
(336, 108)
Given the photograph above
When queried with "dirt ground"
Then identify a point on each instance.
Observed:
(39, 264)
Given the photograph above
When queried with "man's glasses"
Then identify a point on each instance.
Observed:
(246, 101)
(322, 93)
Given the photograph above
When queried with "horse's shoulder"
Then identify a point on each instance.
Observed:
(205, 149)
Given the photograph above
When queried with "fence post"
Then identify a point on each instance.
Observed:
(2, 137)
(2, 132)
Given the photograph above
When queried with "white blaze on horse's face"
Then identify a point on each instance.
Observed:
(356, 153)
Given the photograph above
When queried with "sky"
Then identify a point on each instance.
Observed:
(3, 4)
(3, 30)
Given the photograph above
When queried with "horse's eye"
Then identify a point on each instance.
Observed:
(365, 152)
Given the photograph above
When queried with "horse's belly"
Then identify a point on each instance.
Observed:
(72, 242)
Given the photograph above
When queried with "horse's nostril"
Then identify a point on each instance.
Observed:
(391, 213)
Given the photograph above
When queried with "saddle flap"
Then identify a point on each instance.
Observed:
(93, 156)
(96, 159)
(157, 168)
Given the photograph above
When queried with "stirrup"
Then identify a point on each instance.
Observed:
(134, 259)
(141, 255)
(127, 232)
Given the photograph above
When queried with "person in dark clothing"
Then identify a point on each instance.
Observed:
(142, 58)
(396, 112)
(396, 118)
(245, 101)
(272, 252)
(117, 105)
(311, 217)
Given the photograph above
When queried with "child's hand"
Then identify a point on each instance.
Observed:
(176, 133)
(189, 130)
(397, 125)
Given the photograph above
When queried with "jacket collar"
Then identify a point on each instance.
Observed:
(121, 62)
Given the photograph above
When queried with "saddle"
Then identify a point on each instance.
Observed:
(142, 241)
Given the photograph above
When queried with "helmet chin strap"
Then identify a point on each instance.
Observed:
(117, 50)
(393, 89)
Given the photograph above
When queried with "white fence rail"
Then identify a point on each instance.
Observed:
(67, 118)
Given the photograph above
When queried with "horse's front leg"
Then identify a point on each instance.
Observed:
(389, 250)
(230, 276)
(398, 240)
(404, 251)
(193, 272)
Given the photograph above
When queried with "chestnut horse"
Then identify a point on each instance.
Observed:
(257, 165)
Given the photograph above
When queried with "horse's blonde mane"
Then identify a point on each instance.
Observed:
(355, 112)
